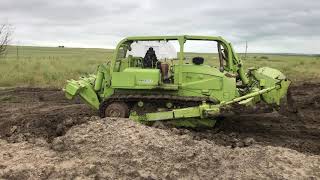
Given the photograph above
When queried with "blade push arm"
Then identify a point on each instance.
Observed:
(205, 110)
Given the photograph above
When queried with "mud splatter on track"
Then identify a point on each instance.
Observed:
(43, 135)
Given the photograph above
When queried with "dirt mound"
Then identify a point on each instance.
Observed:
(118, 148)
(43, 135)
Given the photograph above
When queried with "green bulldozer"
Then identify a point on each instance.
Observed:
(183, 91)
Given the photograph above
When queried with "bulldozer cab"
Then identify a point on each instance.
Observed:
(144, 64)
(150, 62)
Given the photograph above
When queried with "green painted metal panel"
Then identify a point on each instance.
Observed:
(201, 69)
(174, 114)
(201, 81)
(136, 78)
(145, 77)
(159, 116)
(200, 77)
(187, 112)
(122, 80)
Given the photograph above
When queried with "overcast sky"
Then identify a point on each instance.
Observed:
(291, 26)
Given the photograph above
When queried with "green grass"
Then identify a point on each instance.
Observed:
(51, 67)
(296, 68)
(48, 67)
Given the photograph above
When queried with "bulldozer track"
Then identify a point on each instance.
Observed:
(132, 98)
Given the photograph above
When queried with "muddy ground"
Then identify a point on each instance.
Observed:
(42, 135)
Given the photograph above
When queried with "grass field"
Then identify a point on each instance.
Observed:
(48, 66)
(51, 67)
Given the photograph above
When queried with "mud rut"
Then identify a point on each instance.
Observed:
(28, 113)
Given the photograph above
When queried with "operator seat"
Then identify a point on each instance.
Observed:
(164, 70)
(150, 60)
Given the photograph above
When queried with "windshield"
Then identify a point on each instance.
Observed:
(163, 49)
